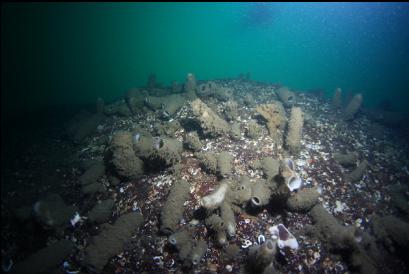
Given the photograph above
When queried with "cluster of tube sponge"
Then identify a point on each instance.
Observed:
(231, 195)
(191, 251)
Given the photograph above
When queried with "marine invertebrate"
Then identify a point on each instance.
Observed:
(151, 84)
(235, 131)
(337, 98)
(192, 141)
(353, 107)
(254, 130)
(111, 239)
(190, 251)
(52, 212)
(286, 96)
(284, 237)
(92, 174)
(287, 172)
(227, 214)
(208, 160)
(241, 192)
(173, 209)
(190, 86)
(295, 126)
(135, 100)
(45, 259)
(360, 248)
(212, 89)
(217, 224)
(358, 172)
(210, 122)
(230, 110)
(198, 252)
(303, 200)
(261, 257)
(216, 198)
(166, 151)
(270, 167)
(261, 193)
(274, 115)
(347, 159)
(100, 212)
(294, 182)
(182, 240)
(248, 100)
(83, 125)
(224, 166)
(392, 231)
(122, 156)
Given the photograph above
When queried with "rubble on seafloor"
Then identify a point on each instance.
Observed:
(219, 182)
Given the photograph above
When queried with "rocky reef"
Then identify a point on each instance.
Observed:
(214, 176)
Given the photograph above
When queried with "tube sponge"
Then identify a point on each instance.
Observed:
(357, 173)
(173, 209)
(224, 164)
(262, 256)
(124, 159)
(286, 96)
(198, 252)
(44, 259)
(261, 193)
(241, 193)
(215, 222)
(348, 159)
(178, 238)
(216, 198)
(270, 167)
(254, 130)
(337, 99)
(190, 86)
(228, 217)
(208, 161)
(353, 106)
(304, 200)
(274, 114)
(192, 141)
(295, 126)
(210, 122)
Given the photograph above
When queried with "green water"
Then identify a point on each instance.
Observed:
(72, 53)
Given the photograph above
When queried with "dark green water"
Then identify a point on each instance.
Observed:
(73, 53)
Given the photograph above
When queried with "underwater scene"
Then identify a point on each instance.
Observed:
(205, 138)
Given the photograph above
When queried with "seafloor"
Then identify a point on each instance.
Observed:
(53, 163)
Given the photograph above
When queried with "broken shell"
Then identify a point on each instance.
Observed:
(246, 244)
(261, 239)
(285, 238)
(75, 219)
